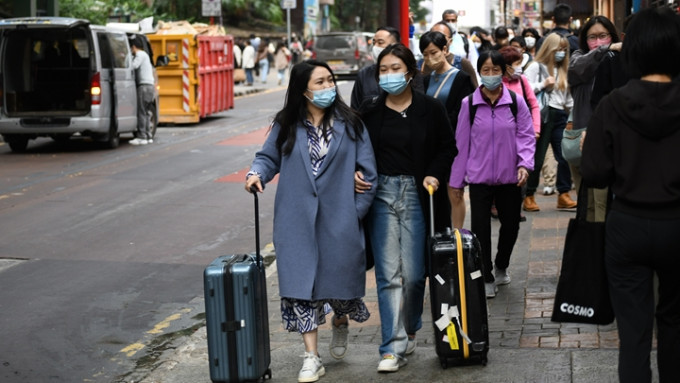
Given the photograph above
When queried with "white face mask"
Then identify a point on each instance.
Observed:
(453, 26)
(531, 41)
(478, 45)
(517, 71)
(375, 51)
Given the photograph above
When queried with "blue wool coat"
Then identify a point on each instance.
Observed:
(319, 240)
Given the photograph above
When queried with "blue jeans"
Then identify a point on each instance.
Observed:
(249, 76)
(551, 134)
(396, 226)
(264, 70)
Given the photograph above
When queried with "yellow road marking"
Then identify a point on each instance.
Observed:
(133, 348)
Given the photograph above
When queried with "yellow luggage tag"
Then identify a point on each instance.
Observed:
(453, 338)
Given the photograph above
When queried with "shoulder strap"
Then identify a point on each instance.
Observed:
(472, 109)
(513, 104)
(444, 82)
(524, 91)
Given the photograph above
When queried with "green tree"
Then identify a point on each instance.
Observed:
(234, 12)
(372, 14)
(98, 11)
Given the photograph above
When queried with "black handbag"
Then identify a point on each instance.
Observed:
(582, 292)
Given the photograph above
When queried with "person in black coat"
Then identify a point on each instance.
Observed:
(631, 143)
(414, 147)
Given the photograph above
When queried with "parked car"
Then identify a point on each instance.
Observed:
(345, 52)
(63, 76)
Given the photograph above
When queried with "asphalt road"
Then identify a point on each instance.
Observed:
(102, 251)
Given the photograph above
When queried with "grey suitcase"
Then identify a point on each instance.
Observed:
(237, 322)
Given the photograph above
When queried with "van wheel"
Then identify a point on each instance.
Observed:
(152, 116)
(112, 139)
(18, 144)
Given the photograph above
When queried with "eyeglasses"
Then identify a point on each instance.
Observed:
(601, 36)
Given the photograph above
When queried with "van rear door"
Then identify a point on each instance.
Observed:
(115, 52)
(46, 68)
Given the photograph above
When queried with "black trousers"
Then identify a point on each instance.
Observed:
(635, 249)
(508, 203)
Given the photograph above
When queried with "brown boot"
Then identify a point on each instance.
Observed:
(530, 204)
(564, 201)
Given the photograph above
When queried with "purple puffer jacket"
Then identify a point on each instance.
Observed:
(491, 151)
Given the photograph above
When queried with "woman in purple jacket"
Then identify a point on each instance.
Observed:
(495, 139)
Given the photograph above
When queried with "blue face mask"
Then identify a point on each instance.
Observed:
(322, 98)
(559, 56)
(393, 83)
(492, 82)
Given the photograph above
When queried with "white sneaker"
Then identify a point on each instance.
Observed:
(411, 345)
(138, 141)
(312, 368)
(338, 346)
(548, 190)
(150, 140)
(502, 276)
(490, 289)
(391, 363)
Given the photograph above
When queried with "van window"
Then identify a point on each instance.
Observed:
(335, 42)
(114, 50)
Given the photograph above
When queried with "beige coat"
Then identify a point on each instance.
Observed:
(281, 58)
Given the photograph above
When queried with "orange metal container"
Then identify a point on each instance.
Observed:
(199, 78)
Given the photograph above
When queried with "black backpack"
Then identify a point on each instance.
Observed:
(513, 107)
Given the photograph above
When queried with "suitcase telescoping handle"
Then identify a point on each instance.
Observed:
(430, 190)
(258, 257)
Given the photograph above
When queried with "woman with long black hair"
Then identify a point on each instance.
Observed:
(316, 143)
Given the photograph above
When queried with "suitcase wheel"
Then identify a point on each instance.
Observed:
(484, 360)
(268, 374)
(444, 363)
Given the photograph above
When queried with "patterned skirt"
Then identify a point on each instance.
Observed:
(305, 316)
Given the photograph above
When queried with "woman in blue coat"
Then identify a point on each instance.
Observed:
(316, 143)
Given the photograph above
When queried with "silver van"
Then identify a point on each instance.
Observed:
(345, 52)
(63, 76)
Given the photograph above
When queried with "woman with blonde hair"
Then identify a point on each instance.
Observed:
(550, 76)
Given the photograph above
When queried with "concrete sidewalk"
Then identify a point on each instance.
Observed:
(525, 346)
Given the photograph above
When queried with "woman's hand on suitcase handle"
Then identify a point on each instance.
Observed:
(253, 184)
(522, 176)
(432, 182)
(360, 186)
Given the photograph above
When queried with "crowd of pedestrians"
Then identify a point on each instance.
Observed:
(354, 179)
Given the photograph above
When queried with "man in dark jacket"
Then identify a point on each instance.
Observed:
(562, 19)
(366, 86)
